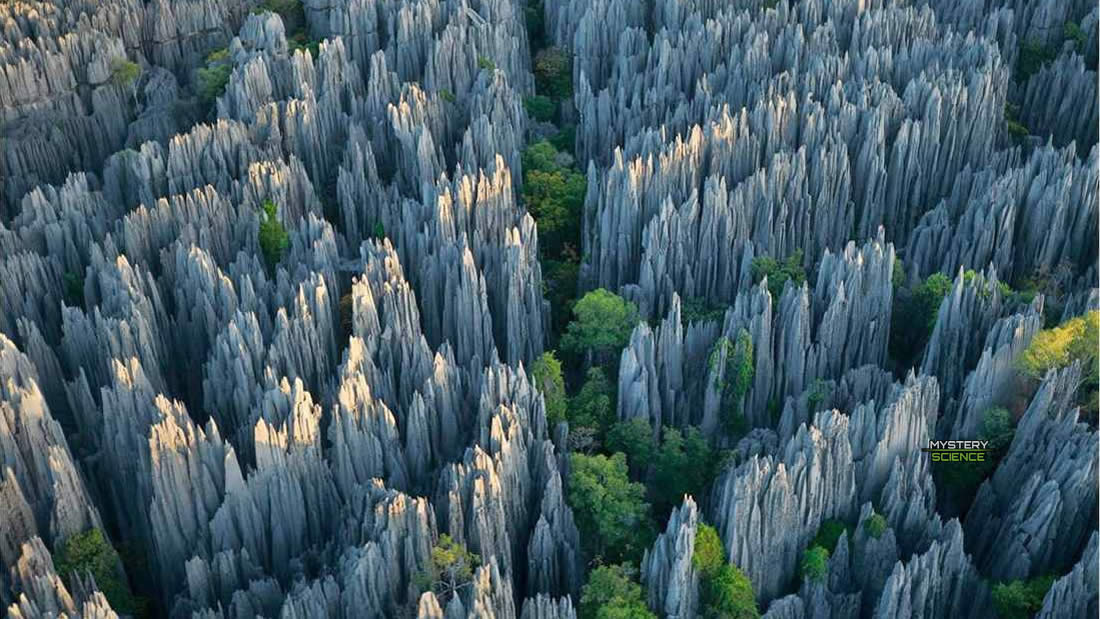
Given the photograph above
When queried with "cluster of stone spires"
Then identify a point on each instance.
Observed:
(291, 439)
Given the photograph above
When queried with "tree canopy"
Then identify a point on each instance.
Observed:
(779, 273)
(725, 591)
(682, 465)
(635, 439)
(612, 593)
(610, 510)
(90, 552)
(602, 324)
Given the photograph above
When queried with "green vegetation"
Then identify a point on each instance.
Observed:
(274, 239)
(211, 80)
(633, 438)
(610, 510)
(554, 195)
(736, 378)
(684, 464)
(536, 31)
(602, 324)
(124, 74)
(876, 525)
(961, 480)
(612, 593)
(779, 273)
(697, 309)
(565, 140)
(828, 534)
(724, 590)
(546, 371)
(446, 95)
(1055, 348)
(1016, 130)
(539, 107)
(897, 276)
(90, 552)
(452, 568)
(815, 563)
(1032, 56)
(1021, 599)
(554, 73)
(820, 391)
(290, 11)
(486, 64)
(594, 405)
(914, 317)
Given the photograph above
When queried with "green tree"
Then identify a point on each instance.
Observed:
(682, 465)
(212, 79)
(485, 63)
(1073, 340)
(914, 316)
(546, 371)
(451, 569)
(709, 554)
(729, 595)
(961, 480)
(1020, 599)
(779, 273)
(554, 73)
(612, 593)
(634, 438)
(610, 510)
(274, 239)
(725, 591)
(594, 405)
(554, 195)
(539, 107)
(601, 325)
(815, 563)
(90, 552)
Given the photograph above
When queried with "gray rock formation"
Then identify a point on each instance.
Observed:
(1073, 595)
(668, 574)
(1039, 508)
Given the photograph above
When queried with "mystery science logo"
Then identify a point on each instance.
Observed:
(958, 451)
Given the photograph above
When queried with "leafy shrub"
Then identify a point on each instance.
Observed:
(1021, 599)
(212, 79)
(709, 554)
(876, 525)
(554, 195)
(451, 569)
(486, 64)
(124, 72)
(446, 95)
(90, 552)
(815, 563)
(612, 592)
(779, 273)
(546, 371)
(74, 289)
(274, 239)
